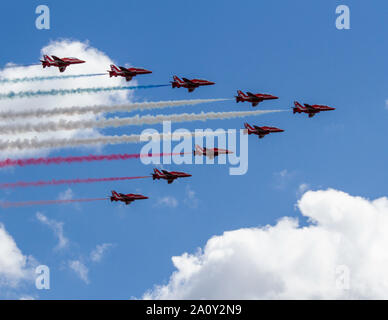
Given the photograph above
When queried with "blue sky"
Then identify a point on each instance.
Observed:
(286, 48)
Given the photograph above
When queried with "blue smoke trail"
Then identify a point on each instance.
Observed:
(42, 78)
(62, 92)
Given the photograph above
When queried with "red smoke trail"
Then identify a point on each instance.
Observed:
(64, 181)
(89, 158)
(45, 202)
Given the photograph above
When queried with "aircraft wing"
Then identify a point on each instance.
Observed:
(258, 129)
(170, 181)
(62, 68)
(169, 175)
(188, 81)
(309, 106)
(57, 59)
(123, 69)
(250, 94)
(128, 199)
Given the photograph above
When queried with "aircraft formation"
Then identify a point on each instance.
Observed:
(190, 84)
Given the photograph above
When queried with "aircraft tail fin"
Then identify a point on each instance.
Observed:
(297, 104)
(240, 96)
(198, 150)
(114, 196)
(177, 82)
(156, 174)
(46, 61)
(176, 78)
(113, 70)
(48, 58)
(248, 128)
(297, 107)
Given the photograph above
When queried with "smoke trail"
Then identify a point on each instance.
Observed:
(7, 204)
(42, 78)
(60, 143)
(23, 184)
(14, 114)
(89, 158)
(62, 92)
(117, 122)
(21, 65)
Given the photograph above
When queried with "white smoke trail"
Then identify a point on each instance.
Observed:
(12, 65)
(43, 78)
(62, 92)
(60, 143)
(118, 122)
(70, 111)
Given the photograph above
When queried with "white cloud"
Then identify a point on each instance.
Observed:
(56, 227)
(167, 201)
(282, 178)
(14, 266)
(96, 62)
(191, 200)
(303, 187)
(287, 261)
(68, 194)
(80, 269)
(97, 254)
(283, 173)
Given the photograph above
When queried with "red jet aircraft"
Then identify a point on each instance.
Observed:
(170, 176)
(310, 109)
(254, 98)
(127, 198)
(128, 73)
(211, 153)
(261, 131)
(189, 84)
(54, 61)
